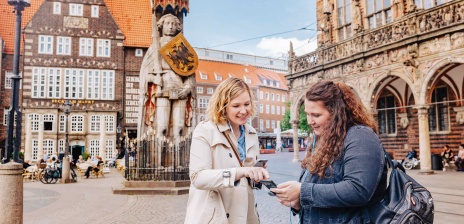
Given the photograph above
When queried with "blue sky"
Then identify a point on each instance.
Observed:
(215, 22)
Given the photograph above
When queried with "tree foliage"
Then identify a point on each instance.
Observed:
(303, 126)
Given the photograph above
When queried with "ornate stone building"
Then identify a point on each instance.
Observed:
(403, 58)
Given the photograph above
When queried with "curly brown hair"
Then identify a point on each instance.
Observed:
(345, 111)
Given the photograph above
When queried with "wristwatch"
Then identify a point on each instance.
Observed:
(226, 177)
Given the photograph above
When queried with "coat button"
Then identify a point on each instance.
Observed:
(227, 215)
(230, 154)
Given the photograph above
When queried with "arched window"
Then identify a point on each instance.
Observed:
(386, 117)
(109, 149)
(35, 119)
(77, 123)
(49, 147)
(439, 110)
(61, 145)
(35, 149)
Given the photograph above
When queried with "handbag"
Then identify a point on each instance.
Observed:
(404, 201)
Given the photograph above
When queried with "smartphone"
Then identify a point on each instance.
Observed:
(269, 184)
(261, 163)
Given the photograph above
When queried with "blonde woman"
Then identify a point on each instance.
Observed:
(223, 152)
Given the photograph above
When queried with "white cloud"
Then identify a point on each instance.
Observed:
(277, 46)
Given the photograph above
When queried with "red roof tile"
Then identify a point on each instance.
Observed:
(8, 20)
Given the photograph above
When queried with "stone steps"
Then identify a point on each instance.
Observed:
(151, 191)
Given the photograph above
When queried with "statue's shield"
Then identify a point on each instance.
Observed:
(180, 56)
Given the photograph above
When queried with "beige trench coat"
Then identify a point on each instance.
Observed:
(211, 155)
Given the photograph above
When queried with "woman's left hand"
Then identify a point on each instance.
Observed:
(288, 191)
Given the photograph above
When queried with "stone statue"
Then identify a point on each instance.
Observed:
(397, 9)
(168, 96)
(326, 33)
(356, 25)
(412, 7)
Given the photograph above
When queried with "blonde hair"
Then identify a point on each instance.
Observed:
(228, 90)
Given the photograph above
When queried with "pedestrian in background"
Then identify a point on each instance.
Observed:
(344, 167)
(223, 153)
(446, 156)
(460, 159)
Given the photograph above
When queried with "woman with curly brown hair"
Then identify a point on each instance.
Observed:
(344, 167)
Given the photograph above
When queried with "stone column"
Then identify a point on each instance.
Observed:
(424, 140)
(102, 145)
(28, 143)
(296, 144)
(11, 193)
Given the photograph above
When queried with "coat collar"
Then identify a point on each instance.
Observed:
(249, 135)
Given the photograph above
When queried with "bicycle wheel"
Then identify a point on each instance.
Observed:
(408, 165)
(42, 177)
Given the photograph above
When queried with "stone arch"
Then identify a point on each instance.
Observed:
(295, 105)
(374, 89)
(432, 73)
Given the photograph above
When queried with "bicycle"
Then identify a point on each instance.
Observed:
(51, 176)
(411, 163)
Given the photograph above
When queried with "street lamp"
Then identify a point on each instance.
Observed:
(118, 141)
(66, 165)
(19, 6)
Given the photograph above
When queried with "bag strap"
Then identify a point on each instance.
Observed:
(234, 146)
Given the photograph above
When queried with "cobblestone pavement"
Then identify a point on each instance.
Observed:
(91, 200)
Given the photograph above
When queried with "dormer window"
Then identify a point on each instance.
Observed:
(247, 80)
(218, 77)
(203, 76)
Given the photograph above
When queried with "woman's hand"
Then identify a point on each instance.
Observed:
(254, 173)
(288, 191)
(295, 204)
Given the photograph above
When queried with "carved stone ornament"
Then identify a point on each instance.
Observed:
(459, 115)
(75, 22)
(404, 121)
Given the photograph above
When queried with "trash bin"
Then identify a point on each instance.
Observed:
(436, 162)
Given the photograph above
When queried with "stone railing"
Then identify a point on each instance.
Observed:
(417, 23)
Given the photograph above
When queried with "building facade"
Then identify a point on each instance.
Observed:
(403, 59)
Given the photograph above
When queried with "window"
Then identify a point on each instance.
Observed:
(107, 92)
(218, 77)
(95, 11)
(283, 110)
(94, 146)
(273, 124)
(138, 52)
(86, 47)
(261, 108)
(73, 83)
(56, 7)
(9, 81)
(76, 9)
(261, 125)
(203, 102)
(54, 83)
(62, 124)
(439, 110)
(272, 109)
(386, 117)
(61, 145)
(109, 149)
(261, 95)
(247, 80)
(379, 13)
(35, 149)
(203, 76)
(48, 122)
(77, 123)
(38, 82)
(267, 96)
(210, 90)
(63, 45)
(93, 84)
(199, 89)
(35, 119)
(278, 84)
(265, 82)
(272, 97)
(45, 44)
(278, 110)
(49, 147)
(267, 124)
(103, 48)
(344, 19)
(267, 109)
(277, 97)
(95, 123)
(109, 121)
(283, 98)
(5, 117)
(427, 4)
(229, 57)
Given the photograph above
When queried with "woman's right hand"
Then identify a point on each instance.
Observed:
(254, 173)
